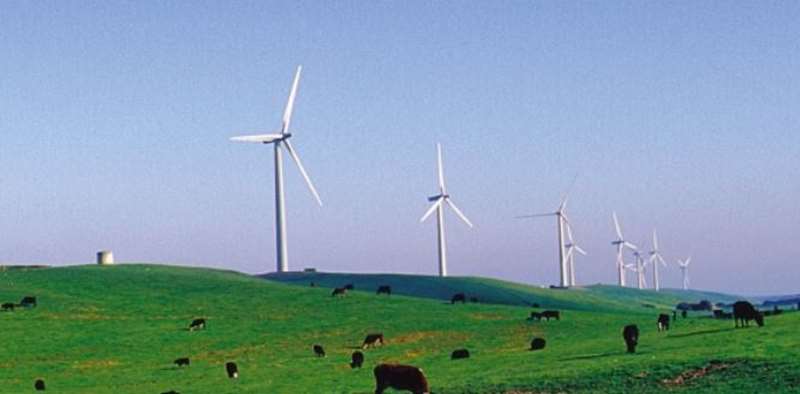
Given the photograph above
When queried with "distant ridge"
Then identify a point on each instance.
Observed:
(494, 291)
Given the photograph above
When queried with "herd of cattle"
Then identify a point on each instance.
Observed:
(411, 378)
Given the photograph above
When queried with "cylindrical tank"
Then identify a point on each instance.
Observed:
(105, 257)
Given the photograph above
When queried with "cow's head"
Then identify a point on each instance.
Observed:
(760, 319)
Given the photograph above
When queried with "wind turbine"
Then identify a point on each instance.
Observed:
(655, 260)
(684, 266)
(640, 270)
(561, 218)
(571, 248)
(281, 141)
(438, 205)
(621, 244)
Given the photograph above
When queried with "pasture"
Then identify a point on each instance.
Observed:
(118, 329)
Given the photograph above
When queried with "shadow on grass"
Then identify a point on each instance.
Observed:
(703, 332)
(594, 356)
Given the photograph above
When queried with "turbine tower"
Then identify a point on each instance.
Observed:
(640, 270)
(571, 248)
(281, 141)
(621, 244)
(684, 266)
(561, 219)
(438, 205)
(655, 260)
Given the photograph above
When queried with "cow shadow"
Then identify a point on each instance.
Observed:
(601, 355)
(702, 332)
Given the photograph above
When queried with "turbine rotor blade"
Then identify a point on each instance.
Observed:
(302, 170)
(432, 208)
(655, 241)
(630, 246)
(439, 166)
(616, 225)
(458, 211)
(287, 114)
(578, 248)
(260, 138)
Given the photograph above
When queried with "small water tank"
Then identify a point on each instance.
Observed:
(105, 257)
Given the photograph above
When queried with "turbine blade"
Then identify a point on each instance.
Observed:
(458, 211)
(687, 261)
(287, 114)
(431, 209)
(655, 240)
(579, 249)
(569, 234)
(302, 170)
(630, 246)
(616, 225)
(260, 138)
(440, 167)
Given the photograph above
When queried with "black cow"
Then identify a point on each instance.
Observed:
(473, 299)
(400, 377)
(538, 344)
(631, 335)
(339, 291)
(232, 370)
(551, 314)
(384, 290)
(535, 316)
(319, 351)
(717, 313)
(28, 301)
(459, 354)
(183, 361)
(38, 385)
(312, 284)
(460, 297)
(684, 313)
(373, 340)
(197, 324)
(8, 306)
(357, 359)
(349, 287)
(744, 311)
(663, 322)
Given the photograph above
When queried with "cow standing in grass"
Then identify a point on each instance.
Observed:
(28, 302)
(744, 311)
(339, 291)
(372, 340)
(232, 370)
(631, 335)
(538, 344)
(197, 324)
(319, 351)
(551, 314)
(460, 297)
(459, 354)
(181, 362)
(38, 385)
(663, 322)
(400, 377)
(8, 306)
(356, 360)
(384, 290)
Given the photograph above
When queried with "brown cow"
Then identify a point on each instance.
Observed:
(400, 377)
(373, 340)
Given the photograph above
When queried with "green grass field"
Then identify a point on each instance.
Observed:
(117, 329)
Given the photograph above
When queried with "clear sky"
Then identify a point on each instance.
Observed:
(681, 116)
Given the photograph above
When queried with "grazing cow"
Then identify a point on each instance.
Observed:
(717, 313)
(373, 340)
(473, 299)
(357, 359)
(400, 377)
(319, 351)
(684, 313)
(460, 297)
(459, 354)
(197, 324)
(8, 306)
(232, 370)
(349, 287)
(744, 311)
(384, 290)
(313, 284)
(38, 385)
(551, 314)
(28, 301)
(535, 315)
(538, 344)
(631, 335)
(663, 322)
(183, 361)
(674, 315)
(339, 291)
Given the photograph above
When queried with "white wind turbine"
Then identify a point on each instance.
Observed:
(621, 244)
(561, 219)
(281, 141)
(640, 270)
(684, 266)
(438, 205)
(655, 260)
(571, 248)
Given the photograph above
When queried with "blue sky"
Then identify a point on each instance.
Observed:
(681, 116)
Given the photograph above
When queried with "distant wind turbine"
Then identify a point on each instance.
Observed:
(281, 140)
(438, 205)
(684, 266)
(571, 248)
(640, 270)
(621, 244)
(655, 260)
(561, 219)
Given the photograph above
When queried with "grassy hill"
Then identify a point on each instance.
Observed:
(117, 329)
(493, 291)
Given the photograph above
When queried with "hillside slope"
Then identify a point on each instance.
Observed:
(117, 329)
